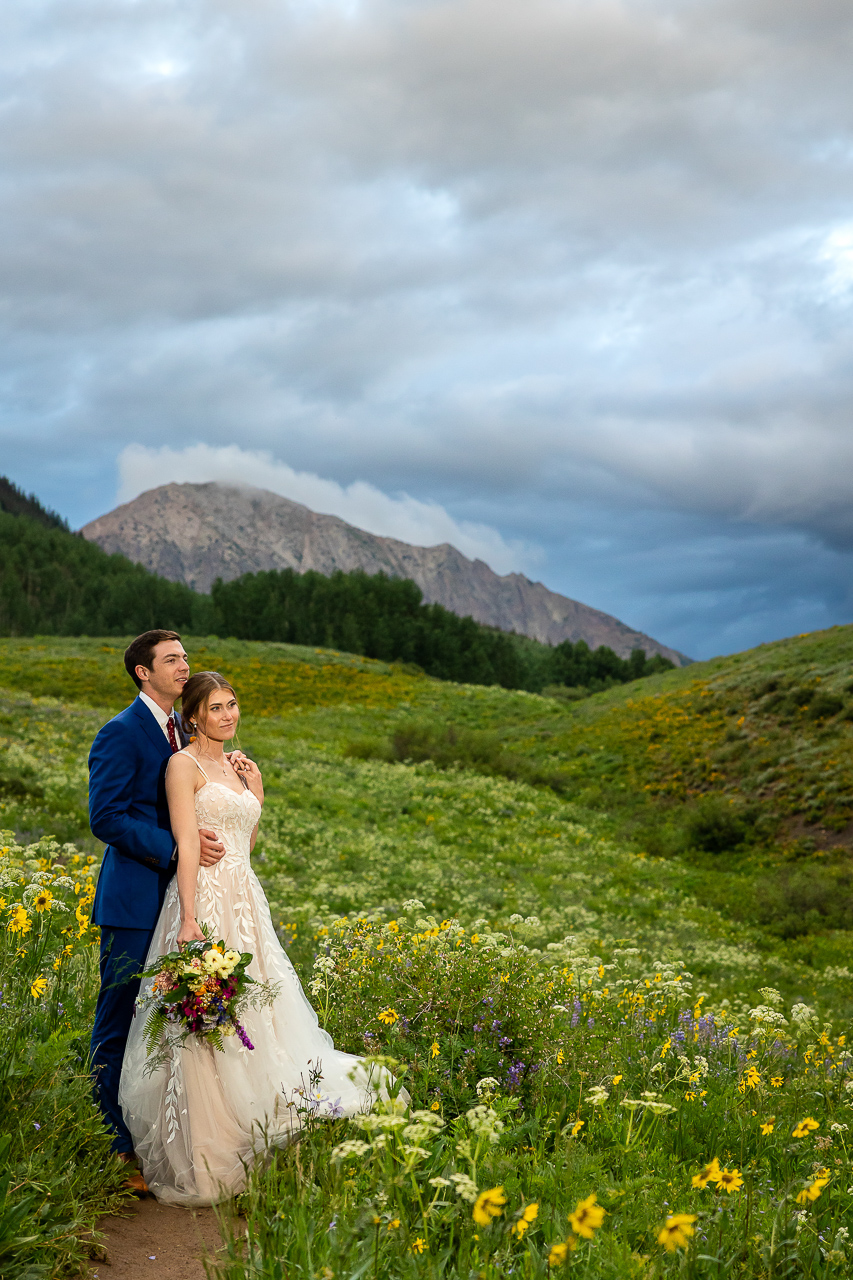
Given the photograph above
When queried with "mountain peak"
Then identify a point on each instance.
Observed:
(196, 533)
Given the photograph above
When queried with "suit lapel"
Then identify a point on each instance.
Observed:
(151, 727)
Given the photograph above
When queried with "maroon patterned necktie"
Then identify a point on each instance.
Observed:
(170, 729)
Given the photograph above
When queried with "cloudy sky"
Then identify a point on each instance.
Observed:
(565, 282)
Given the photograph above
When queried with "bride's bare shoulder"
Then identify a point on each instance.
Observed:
(182, 766)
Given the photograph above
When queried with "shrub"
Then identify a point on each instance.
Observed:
(801, 899)
(717, 826)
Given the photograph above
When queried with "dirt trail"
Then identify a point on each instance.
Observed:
(156, 1240)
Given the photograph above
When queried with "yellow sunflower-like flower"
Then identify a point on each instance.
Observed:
(418, 1244)
(19, 920)
(489, 1205)
(43, 901)
(38, 988)
(558, 1253)
(676, 1231)
(730, 1180)
(805, 1127)
(434, 1049)
(813, 1190)
(524, 1219)
(710, 1173)
(577, 1126)
(767, 1126)
(388, 1016)
(587, 1217)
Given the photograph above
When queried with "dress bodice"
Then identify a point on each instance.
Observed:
(231, 814)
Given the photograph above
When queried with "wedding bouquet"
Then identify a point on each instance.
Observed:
(199, 992)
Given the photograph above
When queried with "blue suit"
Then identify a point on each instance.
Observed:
(128, 811)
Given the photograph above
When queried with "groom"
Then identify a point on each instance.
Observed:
(129, 813)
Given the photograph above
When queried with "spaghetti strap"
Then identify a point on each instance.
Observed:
(192, 757)
(203, 774)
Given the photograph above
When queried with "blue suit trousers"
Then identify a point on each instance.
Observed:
(123, 953)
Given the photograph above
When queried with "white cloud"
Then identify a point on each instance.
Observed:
(422, 523)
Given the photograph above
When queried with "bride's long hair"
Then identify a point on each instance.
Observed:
(196, 696)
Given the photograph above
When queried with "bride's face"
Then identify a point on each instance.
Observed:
(220, 718)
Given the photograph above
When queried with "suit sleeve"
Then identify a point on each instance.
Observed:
(112, 775)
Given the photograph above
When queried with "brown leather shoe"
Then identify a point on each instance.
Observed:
(135, 1181)
(137, 1184)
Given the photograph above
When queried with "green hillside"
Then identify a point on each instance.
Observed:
(740, 769)
(619, 881)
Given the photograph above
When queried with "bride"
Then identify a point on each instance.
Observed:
(199, 1121)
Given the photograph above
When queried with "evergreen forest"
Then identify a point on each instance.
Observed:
(54, 582)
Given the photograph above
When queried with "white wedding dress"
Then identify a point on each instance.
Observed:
(199, 1121)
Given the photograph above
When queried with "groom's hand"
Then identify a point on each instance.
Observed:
(212, 847)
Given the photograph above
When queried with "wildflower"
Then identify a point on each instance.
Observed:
(815, 1187)
(487, 1086)
(676, 1231)
(418, 1244)
(393, 1224)
(352, 1147)
(777, 1082)
(523, 1221)
(466, 1188)
(433, 1049)
(710, 1173)
(488, 1205)
(730, 1180)
(38, 988)
(615, 1080)
(20, 921)
(434, 1106)
(577, 1126)
(767, 1126)
(805, 1127)
(587, 1217)
(557, 1256)
(597, 1096)
(388, 1016)
(42, 901)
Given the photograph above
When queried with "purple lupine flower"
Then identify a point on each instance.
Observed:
(244, 1039)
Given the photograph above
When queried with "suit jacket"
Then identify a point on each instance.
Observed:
(129, 812)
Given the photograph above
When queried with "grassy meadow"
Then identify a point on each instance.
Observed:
(606, 942)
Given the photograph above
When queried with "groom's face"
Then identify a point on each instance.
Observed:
(169, 670)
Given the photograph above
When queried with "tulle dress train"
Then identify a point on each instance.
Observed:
(205, 1116)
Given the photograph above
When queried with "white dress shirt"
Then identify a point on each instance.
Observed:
(162, 719)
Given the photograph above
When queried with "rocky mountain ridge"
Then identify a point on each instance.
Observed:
(196, 533)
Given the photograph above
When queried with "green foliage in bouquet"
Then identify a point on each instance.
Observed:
(199, 991)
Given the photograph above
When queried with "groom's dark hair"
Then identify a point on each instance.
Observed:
(140, 652)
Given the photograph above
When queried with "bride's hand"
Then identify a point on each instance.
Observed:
(189, 932)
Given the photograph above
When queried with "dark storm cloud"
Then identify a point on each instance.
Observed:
(577, 270)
